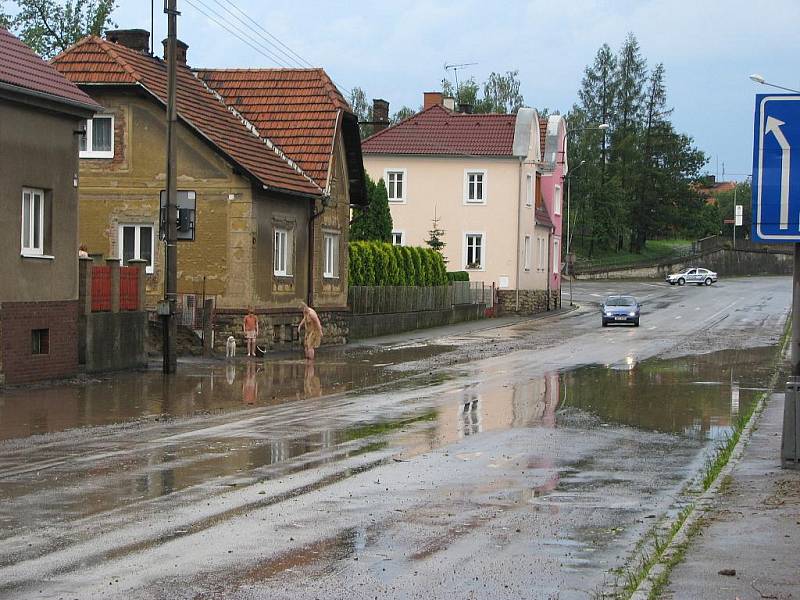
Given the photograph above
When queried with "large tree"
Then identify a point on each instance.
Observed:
(362, 110)
(374, 221)
(501, 94)
(52, 26)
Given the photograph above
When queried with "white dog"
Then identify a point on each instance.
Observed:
(230, 347)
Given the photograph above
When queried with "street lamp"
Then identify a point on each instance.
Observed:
(601, 127)
(758, 78)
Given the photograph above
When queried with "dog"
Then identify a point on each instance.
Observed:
(230, 347)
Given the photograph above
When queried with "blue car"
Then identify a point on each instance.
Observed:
(620, 309)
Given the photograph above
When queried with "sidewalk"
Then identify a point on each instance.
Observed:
(753, 529)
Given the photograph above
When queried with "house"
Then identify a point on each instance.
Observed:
(553, 169)
(479, 176)
(269, 162)
(40, 118)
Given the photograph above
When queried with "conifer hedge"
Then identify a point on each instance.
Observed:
(379, 263)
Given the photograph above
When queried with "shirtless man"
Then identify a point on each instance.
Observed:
(313, 327)
(250, 327)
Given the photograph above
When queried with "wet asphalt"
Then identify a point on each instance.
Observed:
(466, 462)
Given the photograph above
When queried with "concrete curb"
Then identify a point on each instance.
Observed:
(705, 502)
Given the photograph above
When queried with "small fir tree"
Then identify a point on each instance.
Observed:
(435, 236)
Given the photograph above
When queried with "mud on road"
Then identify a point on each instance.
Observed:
(521, 462)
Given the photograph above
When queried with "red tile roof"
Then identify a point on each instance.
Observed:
(296, 108)
(21, 67)
(543, 217)
(439, 131)
(97, 61)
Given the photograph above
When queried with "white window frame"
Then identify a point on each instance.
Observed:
(137, 239)
(484, 184)
(529, 190)
(89, 152)
(402, 199)
(541, 262)
(28, 223)
(556, 256)
(482, 234)
(330, 246)
(557, 197)
(280, 252)
(402, 234)
(527, 253)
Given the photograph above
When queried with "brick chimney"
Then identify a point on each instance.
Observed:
(432, 99)
(380, 115)
(135, 39)
(180, 55)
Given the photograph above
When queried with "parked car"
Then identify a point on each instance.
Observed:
(620, 309)
(692, 275)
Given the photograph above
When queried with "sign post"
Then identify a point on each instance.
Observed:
(776, 219)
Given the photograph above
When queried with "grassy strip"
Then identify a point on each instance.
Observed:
(651, 549)
(654, 251)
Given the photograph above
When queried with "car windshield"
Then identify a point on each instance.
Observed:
(620, 301)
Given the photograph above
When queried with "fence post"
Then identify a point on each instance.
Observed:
(85, 282)
(114, 264)
(141, 281)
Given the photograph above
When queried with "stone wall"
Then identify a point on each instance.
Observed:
(530, 301)
(114, 341)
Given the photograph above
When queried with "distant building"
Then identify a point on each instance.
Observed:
(41, 114)
(480, 175)
(710, 188)
(269, 161)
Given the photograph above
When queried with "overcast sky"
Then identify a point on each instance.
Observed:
(397, 50)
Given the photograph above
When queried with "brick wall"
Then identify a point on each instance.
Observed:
(17, 320)
(530, 301)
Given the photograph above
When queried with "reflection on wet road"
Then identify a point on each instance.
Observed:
(367, 471)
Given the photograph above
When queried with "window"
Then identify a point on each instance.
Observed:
(280, 258)
(557, 200)
(474, 251)
(398, 238)
(475, 187)
(40, 341)
(529, 190)
(527, 251)
(396, 185)
(32, 222)
(99, 139)
(331, 249)
(556, 257)
(136, 243)
(541, 262)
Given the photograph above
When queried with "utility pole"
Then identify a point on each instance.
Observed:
(170, 325)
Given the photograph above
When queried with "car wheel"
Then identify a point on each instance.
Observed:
(681, 281)
(672, 283)
(708, 281)
(636, 323)
(605, 323)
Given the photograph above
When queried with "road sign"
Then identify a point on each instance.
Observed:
(729, 221)
(776, 181)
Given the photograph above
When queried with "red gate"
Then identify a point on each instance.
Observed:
(101, 288)
(129, 288)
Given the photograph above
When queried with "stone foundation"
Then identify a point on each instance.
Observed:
(530, 301)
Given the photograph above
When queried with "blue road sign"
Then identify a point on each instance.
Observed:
(776, 180)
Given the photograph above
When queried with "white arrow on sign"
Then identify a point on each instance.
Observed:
(774, 126)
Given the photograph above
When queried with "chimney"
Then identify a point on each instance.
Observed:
(431, 99)
(180, 55)
(135, 39)
(449, 103)
(380, 115)
(465, 107)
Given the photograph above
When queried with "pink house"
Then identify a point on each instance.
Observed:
(553, 170)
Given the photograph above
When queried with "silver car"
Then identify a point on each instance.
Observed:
(696, 275)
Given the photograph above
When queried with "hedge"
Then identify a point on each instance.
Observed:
(379, 263)
(457, 276)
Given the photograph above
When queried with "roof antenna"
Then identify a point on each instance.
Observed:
(455, 68)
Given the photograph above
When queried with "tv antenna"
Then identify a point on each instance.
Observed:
(455, 68)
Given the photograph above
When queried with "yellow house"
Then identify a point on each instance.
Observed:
(262, 223)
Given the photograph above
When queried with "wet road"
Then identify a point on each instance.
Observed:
(522, 462)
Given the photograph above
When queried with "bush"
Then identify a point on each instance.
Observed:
(457, 276)
(378, 263)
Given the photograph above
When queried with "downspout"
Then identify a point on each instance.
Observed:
(312, 216)
(549, 264)
(519, 226)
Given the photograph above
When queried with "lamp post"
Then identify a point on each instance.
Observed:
(790, 444)
(600, 127)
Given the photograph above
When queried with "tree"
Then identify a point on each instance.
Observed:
(466, 93)
(435, 236)
(362, 110)
(725, 202)
(403, 113)
(50, 26)
(501, 94)
(374, 222)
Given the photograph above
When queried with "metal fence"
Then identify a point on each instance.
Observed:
(367, 300)
(189, 310)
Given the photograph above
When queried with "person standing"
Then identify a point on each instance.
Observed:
(250, 327)
(313, 330)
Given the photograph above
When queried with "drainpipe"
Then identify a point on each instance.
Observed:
(519, 226)
(549, 266)
(313, 214)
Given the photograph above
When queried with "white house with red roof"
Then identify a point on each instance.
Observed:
(479, 175)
